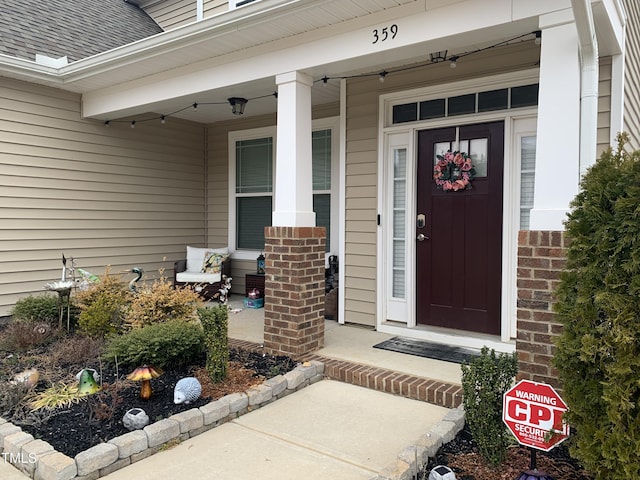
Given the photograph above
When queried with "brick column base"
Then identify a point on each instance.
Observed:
(294, 290)
(541, 258)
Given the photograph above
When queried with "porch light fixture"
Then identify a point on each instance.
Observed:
(437, 57)
(382, 75)
(453, 61)
(237, 105)
(538, 39)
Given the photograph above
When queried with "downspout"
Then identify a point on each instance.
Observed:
(588, 49)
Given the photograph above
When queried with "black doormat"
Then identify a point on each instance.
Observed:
(421, 348)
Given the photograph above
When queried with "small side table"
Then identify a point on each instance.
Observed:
(254, 280)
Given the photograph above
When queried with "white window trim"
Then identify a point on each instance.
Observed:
(511, 188)
(331, 123)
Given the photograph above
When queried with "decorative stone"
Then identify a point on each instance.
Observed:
(135, 419)
(28, 378)
(187, 390)
(95, 458)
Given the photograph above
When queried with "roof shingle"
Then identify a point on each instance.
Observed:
(75, 28)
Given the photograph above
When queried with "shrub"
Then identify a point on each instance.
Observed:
(215, 324)
(160, 302)
(25, 336)
(598, 303)
(173, 343)
(101, 306)
(485, 379)
(37, 309)
(75, 351)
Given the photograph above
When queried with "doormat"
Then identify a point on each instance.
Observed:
(424, 349)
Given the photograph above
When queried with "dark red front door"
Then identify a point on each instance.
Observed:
(459, 248)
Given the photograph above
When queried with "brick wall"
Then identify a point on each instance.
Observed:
(541, 258)
(294, 290)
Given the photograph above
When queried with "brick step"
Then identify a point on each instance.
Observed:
(418, 388)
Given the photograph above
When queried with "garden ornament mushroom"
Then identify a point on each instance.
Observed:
(144, 374)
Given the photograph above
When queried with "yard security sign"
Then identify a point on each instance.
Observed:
(533, 413)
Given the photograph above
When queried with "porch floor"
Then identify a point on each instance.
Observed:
(349, 356)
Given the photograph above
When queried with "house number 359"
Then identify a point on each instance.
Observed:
(385, 33)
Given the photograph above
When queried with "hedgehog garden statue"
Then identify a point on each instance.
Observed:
(187, 390)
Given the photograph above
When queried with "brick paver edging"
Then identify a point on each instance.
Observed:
(38, 459)
(424, 389)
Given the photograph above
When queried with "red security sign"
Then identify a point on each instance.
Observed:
(533, 413)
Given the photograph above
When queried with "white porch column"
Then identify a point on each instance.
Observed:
(293, 205)
(558, 138)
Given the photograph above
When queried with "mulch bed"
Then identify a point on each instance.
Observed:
(98, 418)
(461, 455)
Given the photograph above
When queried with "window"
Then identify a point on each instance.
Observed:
(254, 190)
(321, 158)
(527, 178)
(491, 100)
(253, 163)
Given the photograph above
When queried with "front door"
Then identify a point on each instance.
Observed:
(459, 232)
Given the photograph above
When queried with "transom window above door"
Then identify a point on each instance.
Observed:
(470, 103)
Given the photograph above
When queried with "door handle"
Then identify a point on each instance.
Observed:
(422, 237)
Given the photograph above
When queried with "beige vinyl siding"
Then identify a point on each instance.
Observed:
(214, 7)
(604, 106)
(105, 196)
(632, 74)
(360, 262)
(170, 14)
(360, 201)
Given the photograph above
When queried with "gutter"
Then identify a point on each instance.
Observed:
(588, 49)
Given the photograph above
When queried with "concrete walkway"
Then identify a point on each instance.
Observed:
(328, 430)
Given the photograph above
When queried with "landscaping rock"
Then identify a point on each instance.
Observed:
(295, 378)
(13, 444)
(236, 401)
(189, 420)
(96, 458)
(32, 452)
(130, 443)
(259, 394)
(215, 411)
(278, 384)
(162, 432)
(55, 466)
(7, 429)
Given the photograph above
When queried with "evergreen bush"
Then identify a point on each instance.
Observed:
(101, 306)
(172, 343)
(485, 379)
(598, 303)
(37, 309)
(215, 324)
(158, 302)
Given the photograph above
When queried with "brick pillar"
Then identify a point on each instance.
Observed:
(541, 258)
(294, 290)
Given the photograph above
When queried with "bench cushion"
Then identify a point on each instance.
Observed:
(190, 277)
